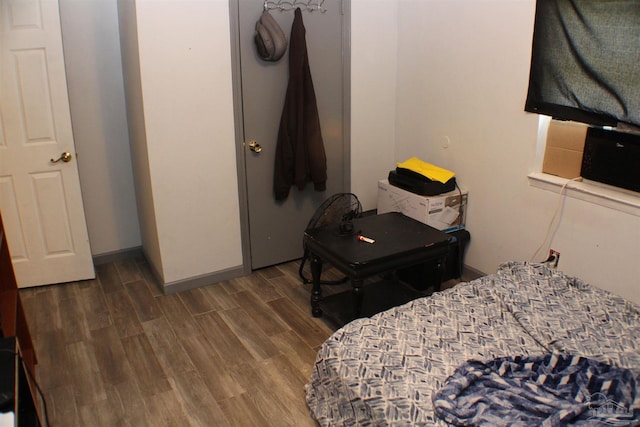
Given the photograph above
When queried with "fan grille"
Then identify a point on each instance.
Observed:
(337, 209)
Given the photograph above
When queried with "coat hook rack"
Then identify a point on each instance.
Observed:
(285, 6)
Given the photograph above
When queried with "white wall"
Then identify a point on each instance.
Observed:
(96, 98)
(137, 134)
(185, 74)
(374, 50)
(462, 73)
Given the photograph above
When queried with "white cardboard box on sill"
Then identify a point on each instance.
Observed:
(446, 211)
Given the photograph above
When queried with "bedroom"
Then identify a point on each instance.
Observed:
(432, 79)
(439, 68)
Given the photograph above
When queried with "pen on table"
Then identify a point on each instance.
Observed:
(365, 239)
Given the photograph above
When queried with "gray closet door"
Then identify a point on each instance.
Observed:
(276, 228)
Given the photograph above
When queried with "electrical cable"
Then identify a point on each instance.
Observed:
(33, 380)
(42, 399)
(553, 218)
(460, 246)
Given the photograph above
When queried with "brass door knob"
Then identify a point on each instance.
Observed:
(255, 147)
(65, 157)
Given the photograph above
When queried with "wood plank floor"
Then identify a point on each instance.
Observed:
(115, 351)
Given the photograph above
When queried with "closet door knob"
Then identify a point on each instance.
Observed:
(255, 147)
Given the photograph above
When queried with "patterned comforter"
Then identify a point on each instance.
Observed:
(385, 370)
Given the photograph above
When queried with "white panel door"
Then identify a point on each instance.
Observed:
(40, 199)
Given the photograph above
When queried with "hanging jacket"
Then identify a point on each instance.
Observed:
(300, 155)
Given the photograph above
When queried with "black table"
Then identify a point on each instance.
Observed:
(399, 242)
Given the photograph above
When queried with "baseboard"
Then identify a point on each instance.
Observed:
(470, 273)
(123, 254)
(207, 279)
(192, 282)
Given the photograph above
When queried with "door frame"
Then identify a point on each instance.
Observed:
(236, 75)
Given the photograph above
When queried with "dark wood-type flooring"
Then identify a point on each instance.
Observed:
(115, 351)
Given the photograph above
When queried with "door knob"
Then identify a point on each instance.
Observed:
(65, 157)
(255, 147)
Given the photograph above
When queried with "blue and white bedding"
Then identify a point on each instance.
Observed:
(387, 369)
(549, 390)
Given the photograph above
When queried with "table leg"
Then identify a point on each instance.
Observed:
(316, 292)
(358, 292)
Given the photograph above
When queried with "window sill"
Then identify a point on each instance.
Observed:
(594, 192)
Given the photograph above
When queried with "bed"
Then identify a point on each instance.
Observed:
(440, 360)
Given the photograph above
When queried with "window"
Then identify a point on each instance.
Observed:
(594, 192)
(584, 68)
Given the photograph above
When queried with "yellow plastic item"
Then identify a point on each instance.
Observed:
(434, 173)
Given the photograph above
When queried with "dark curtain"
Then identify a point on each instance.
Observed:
(585, 63)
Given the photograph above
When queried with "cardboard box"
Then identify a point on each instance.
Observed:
(563, 152)
(446, 211)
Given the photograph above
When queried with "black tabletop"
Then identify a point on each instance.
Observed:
(394, 236)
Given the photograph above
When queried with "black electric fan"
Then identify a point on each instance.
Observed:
(338, 209)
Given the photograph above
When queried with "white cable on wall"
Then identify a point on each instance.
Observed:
(553, 219)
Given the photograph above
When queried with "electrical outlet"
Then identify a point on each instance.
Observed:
(554, 258)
